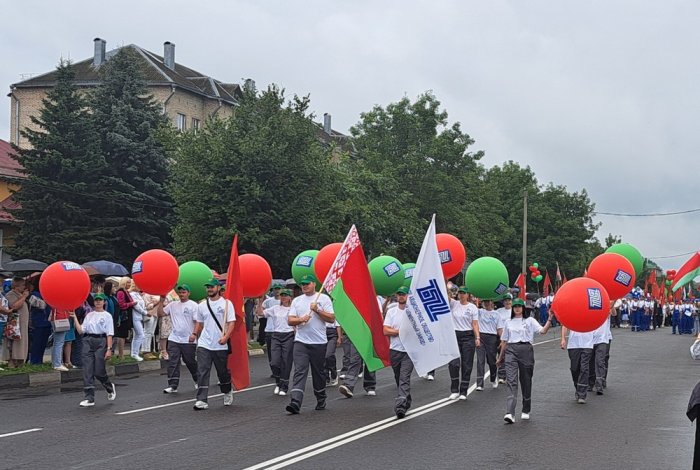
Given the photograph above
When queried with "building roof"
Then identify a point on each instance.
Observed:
(155, 72)
(9, 167)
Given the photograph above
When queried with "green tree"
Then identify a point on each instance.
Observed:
(61, 194)
(131, 127)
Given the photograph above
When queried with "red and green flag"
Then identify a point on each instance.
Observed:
(355, 303)
(689, 271)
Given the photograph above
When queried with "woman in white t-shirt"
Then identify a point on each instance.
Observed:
(138, 313)
(282, 339)
(519, 357)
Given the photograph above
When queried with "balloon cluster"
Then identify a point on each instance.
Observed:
(535, 273)
(670, 276)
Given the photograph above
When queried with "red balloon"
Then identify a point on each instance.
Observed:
(256, 275)
(64, 285)
(581, 304)
(324, 260)
(614, 272)
(155, 272)
(452, 254)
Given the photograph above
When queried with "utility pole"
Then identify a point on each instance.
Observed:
(524, 268)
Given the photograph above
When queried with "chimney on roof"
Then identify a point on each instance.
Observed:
(169, 55)
(249, 85)
(100, 52)
(327, 123)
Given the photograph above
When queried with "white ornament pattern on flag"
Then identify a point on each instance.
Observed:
(352, 241)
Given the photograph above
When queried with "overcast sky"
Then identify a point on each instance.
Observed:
(597, 95)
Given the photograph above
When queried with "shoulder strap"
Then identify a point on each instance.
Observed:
(214, 316)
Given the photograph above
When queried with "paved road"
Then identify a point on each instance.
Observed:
(639, 423)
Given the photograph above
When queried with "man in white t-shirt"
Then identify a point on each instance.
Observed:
(580, 349)
(309, 313)
(215, 319)
(400, 361)
(182, 342)
(265, 325)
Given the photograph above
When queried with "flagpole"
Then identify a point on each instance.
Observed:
(523, 269)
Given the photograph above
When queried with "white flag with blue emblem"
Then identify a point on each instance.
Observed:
(427, 330)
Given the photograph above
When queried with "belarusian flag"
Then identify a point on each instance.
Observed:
(355, 303)
(689, 271)
(238, 359)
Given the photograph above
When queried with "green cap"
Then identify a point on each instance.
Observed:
(286, 292)
(508, 297)
(518, 301)
(277, 286)
(463, 290)
(402, 290)
(212, 282)
(100, 296)
(183, 287)
(308, 279)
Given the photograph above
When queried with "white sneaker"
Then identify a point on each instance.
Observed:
(113, 394)
(371, 393)
(430, 377)
(333, 382)
(282, 393)
(501, 381)
(454, 396)
(276, 391)
(61, 368)
(479, 389)
(509, 418)
(201, 405)
(342, 376)
(525, 416)
(228, 398)
(361, 374)
(87, 403)
(170, 390)
(462, 397)
(137, 357)
(494, 384)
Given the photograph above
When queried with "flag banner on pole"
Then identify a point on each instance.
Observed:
(547, 283)
(355, 303)
(427, 330)
(520, 283)
(557, 277)
(689, 271)
(238, 359)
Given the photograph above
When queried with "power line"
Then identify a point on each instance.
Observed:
(673, 256)
(653, 214)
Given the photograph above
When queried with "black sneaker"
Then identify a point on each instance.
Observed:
(292, 408)
(400, 413)
(321, 405)
(599, 392)
(344, 390)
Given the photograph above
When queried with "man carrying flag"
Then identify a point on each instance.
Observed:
(400, 362)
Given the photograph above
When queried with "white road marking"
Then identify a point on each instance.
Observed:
(342, 439)
(16, 433)
(155, 407)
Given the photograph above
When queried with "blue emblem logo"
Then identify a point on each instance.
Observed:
(137, 268)
(501, 289)
(433, 300)
(70, 266)
(391, 268)
(445, 256)
(305, 261)
(595, 299)
(623, 278)
(408, 273)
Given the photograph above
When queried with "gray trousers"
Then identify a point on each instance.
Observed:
(580, 360)
(487, 352)
(501, 370)
(94, 367)
(403, 368)
(309, 356)
(597, 368)
(465, 362)
(345, 344)
(205, 359)
(355, 365)
(186, 352)
(281, 357)
(332, 344)
(519, 367)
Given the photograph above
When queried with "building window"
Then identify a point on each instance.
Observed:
(181, 122)
(195, 125)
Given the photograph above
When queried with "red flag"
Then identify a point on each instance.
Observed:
(547, 283)
(651, 280)
(520, 283)
(238, 359)
(557, 276)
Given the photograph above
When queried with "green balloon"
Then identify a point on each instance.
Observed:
(303, 265)
(408, 273)
(195, 274)
(487, 278)
(537, 265)
(632, 254)
(539, 278)
(387, 274)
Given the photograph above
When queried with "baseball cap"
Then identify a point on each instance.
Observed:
(277, 286)
(286, 292)
(519, 301)
(100, 296)
(402, 290)
(307, 279)
(183, 287)
(212, 282)
(463, 290)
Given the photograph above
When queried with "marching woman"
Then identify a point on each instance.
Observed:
(490, 328)
(519, 357)
(466, 320)
(97, 330)
(282, 345)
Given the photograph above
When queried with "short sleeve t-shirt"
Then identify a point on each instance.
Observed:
(269, 303)
(98, 323)
(463, 315)
(182, 318)
(277, 319)
(489, 321)
(520, 330)
(314, 331)
(211, 334)
(580, 340)
(393, 320)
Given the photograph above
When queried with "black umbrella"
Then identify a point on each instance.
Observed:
(24, 265)
(108, 268)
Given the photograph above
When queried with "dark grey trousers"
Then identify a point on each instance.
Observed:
(487, 352)
(282, 355)
(597, 367)
(580, 360)
(501, 370)
(465, 362)
(345, 344)
(403, 368)
(519, 367)
(332, 344)
(176, 351)
(308, 356)
(205, 359)
(355, 365)
(94, 367)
